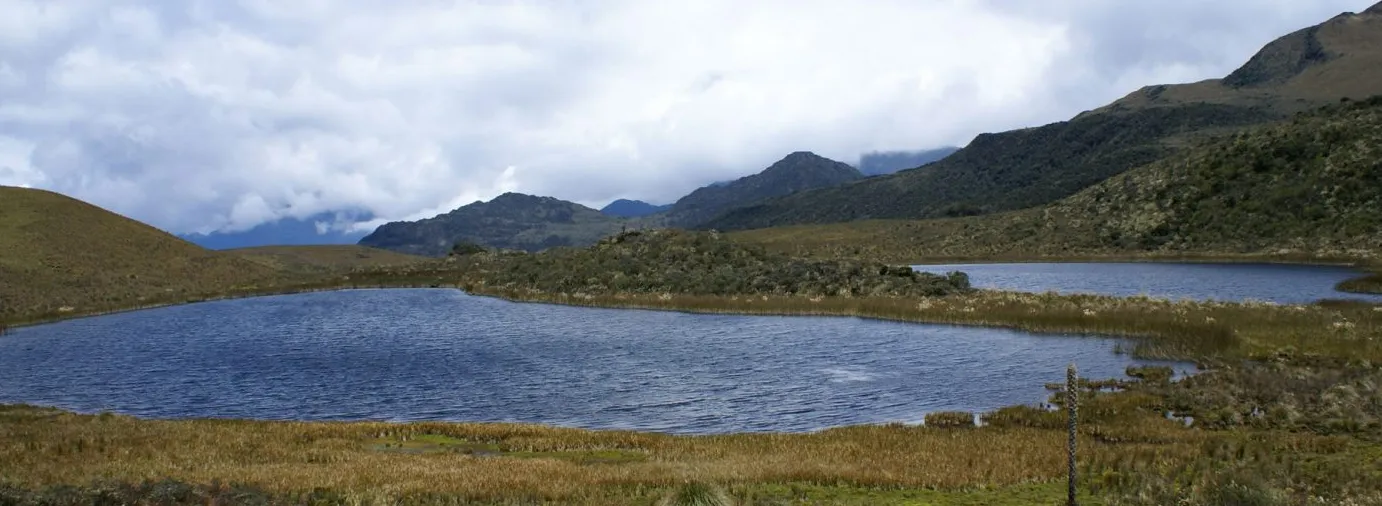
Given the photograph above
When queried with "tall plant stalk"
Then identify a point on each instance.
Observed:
(1071, 401)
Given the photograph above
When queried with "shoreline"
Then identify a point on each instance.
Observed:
(1364, 267)
(1353, 262)
(6, 327)
(899, 310)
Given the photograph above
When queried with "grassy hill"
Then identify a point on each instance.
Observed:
(322, 258)
(510, 221)
(1031, 167)
(1321, 63)
(1308, 187)
(60, 255)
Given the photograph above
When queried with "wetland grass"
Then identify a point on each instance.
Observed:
(43, 448)
(1371, 283)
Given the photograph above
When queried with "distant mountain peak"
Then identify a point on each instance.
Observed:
(625, 208)
(516, 197)
(1376, 9)
(798, 171)
(510, 221)
(1281, 60)
(806, 160)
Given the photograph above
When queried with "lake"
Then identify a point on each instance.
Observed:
(404, 355)
(1280, 283)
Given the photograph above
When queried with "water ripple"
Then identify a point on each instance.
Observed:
(407, 355)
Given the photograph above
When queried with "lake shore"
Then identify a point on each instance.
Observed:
(1168, 329)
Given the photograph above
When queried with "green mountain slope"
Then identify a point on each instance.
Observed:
(510, 221)
(61, 255)
(1307, 187)
(794, 173)
(1030, 167)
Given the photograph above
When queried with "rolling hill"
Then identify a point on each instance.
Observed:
(1305, 188)
(1031, 167)
(509, 221)
(324, 258)
(61, 255)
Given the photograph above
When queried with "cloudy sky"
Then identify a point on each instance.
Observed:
(205, 115)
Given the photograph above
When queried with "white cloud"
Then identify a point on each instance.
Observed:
(207, 115)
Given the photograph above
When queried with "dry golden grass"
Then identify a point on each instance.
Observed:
(322, 258)
(40, 447)
(62, 256)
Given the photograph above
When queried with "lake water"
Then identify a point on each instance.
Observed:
(443, 355)
(1286, 284)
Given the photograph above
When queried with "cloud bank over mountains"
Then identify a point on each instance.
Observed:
(205, 115)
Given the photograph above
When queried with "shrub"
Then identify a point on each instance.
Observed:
(950, 419)
(1024, 416)
(463, 248)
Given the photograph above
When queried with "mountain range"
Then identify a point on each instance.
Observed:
(1340, 58)
(525, 222)
(1309, 187)
(509, 221)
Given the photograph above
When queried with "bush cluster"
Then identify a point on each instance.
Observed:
(700, 263)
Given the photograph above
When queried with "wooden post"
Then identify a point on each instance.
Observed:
(1071, 399)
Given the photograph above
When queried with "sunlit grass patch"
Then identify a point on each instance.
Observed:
(437, 443)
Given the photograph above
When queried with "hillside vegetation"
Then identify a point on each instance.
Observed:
(1296, 72)
(690, 263)
(999, 172)
(60, 255)
(1031, 167)
(1309, 187)
(324, 258)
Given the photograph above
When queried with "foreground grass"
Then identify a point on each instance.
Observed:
(40, 448)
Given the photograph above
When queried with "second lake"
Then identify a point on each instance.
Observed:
(1280, 283)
